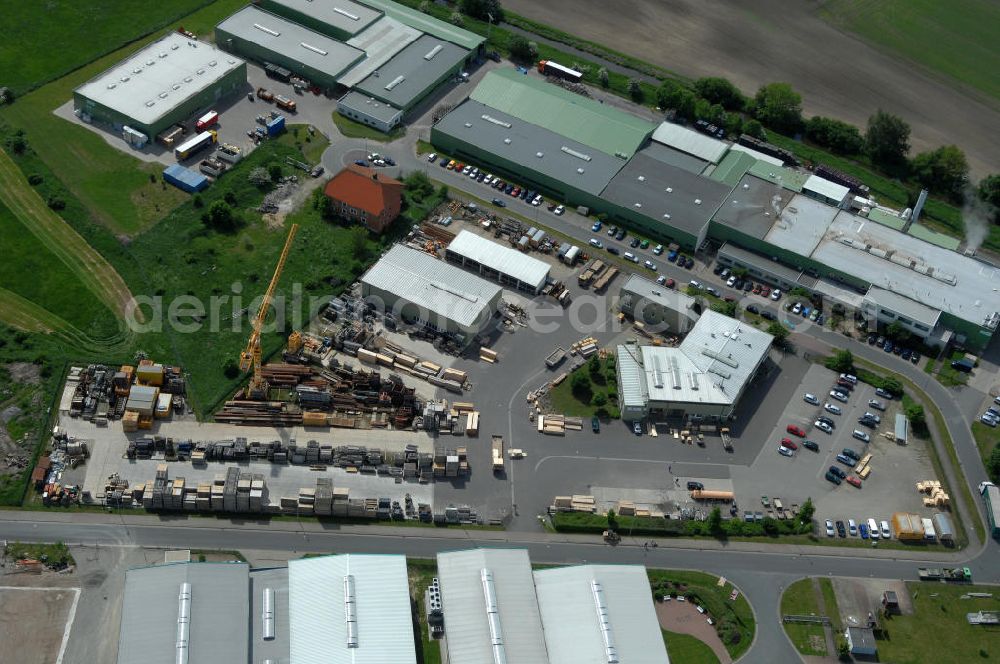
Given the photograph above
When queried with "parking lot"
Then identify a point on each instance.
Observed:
(895, 468)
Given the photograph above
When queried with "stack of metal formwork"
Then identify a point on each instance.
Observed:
(229, 490)
(203, 497)
(218, 503)
(324, 496)
(258, 493)
(356, 508)
(243, 492)
(307, 501)
(341, 499)
(312, 453)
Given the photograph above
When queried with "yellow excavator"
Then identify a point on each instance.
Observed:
(250, 357)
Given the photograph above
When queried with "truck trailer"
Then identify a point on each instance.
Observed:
(991, 498)
(497, 453)
(210, 119)
(196, 144)
(708, 494)
(552, 68)
(958, 574)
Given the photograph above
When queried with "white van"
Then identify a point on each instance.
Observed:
(629, 256)
(873, 529)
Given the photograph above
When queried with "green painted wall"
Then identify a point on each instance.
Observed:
(304, 19)
(255, 52)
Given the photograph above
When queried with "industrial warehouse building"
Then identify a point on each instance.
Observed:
(496, 609)
(264, 37)
(663, 310)
(791, 228)
(421, 289)
(350, 608)
(337, 19)
(704, 377)
(163, 84)
(498, 263)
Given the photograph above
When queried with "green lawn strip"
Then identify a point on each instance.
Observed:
(42, 44)
(686, 649)
(935, 423)
(309, 146)
(734, 620)
(937, 631)
(799, 599)
(948, 376)
(49, 553)
(421, 572)
(987, 439)
(423, 147)
(830, 603)
(921, 31)
(119, 191)
(351, 129)
(584, 402)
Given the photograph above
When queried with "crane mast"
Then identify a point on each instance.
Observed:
(250, 357)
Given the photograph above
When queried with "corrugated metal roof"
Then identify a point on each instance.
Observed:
(275, 34)
(433, 284)
(380, 42)
(690, 141)
(732, 168)
(464, 602)
(903, 306)
(503, 259)
(900, 428)
(825, 188)
(568, 601)
(787, 177)
(425, 23)
(318, 611)
(633, 383)
(175, 60)
(343, 15)
(533, 100)
(360, 103)
(277, 648)
(410, 73)
(759, 156)
(529, 147)
(219, 607)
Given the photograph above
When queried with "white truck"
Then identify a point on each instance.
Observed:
(497, 453)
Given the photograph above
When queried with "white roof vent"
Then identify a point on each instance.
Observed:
(312, 48)
(539, 154)
(697, 201)
(579, 170)
(162, 54)
(638, 205)
(200, 72)
(666, 215)
(174, 47)
(150, 63)
(112, 86)
(163, 95)
(746, 186)
(642, 178)
(137, 70)
(125, 79)
(269, 31)
(469, 125)
(669, 190)
(176, 86)
(213, 63)
(506, 141)
(150, 104)
(343, 12)
(188, 79)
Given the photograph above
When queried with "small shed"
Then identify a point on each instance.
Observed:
(861, 641)
(890, 602)
(902, 429)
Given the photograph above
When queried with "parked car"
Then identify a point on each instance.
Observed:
(657, 250)
(595, 424)
(752, 308)
(841, 530)
(885, 394)
(784, 451)
(650, 265)
(852, 527)
(831, 408)
(876, 404)
(559, 210)
(731, 282)
(693, 486)
(851, 453)
(873, 528)
(846, 460)
(876, 418)
(810, 445)
(612, 231)
(768, 315)
(854, 481)
(797, 308)
(432, 156)
(796, 430)
(886, 533)
(807, 397)
(776, 294)
(836, 470)
(850, 378)
(620, 235)
(499, 202)
(829, 528)
(838, 395)
(823, 426)
(863, 530)
(637, 428)
(830, 477)
(789, 443)
(596, 227)
(594, 242)
(613, 250)
(861, 435)
(634, 243)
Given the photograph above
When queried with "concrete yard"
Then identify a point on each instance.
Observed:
(35, 620)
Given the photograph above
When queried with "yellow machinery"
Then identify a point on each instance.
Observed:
(250, 357)
(295, 342)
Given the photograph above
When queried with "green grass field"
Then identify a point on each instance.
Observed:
(987, 438)
(581, 404)
(42, 45)
(799, 599)
(938, 631)
(60, 292)
(956, 38)
(686, 649)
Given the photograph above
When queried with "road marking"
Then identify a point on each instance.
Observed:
(70, 617)
(594, 458)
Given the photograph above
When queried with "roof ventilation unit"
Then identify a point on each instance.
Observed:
(641, 178)
(183, 624)
(273, 33)
(496, 121)
(697, 201)
(150, 63)
(312, 48)
(575, 153)
(344, 12)
(580, 171)
(638, 205)
(163, 95)
(469, 125)
(112, 86)
(666, 215)
(493, 617)
(539, 154)
(350, 612)
(267, 614)
(506, 141)
(394, 82)
(610, 651)
(434, 51)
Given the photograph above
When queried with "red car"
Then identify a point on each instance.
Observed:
(852, 480)
(789, 443)
(670, 283)
(795, 430)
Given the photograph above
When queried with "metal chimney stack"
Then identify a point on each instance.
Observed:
(921, 199)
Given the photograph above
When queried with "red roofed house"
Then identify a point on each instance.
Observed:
(362, 194)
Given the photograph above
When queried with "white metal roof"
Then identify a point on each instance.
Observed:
(464, 599)
(380, 41)
(759, 156)
(218, 605)
(437, 286)
(588, 610)
(319, 610)
(690, 141)
(503, 259)
(826, 188)
(343, 15)
(633, 382)
(802, 224)
(712, 365)
(904, 306)
(669, 298)
(155, 79)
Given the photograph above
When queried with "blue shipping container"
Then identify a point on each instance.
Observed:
(184, 179)
(276, 125)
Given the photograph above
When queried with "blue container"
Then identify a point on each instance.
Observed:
(276, 125)
(184, 178)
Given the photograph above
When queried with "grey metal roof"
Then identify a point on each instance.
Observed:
(319, 613)
(277, 648)
(382, 40)
(219, 613)
(669, 298)
(803, 223)
(463, 597)
(143, 85)
(418, 20)
(372, 107)
(762, 263)
(433, 284)
(572, 601)
(633, 382)
(672, 157)
(520, 142)
(504, 260)
(690, 141)
(901, 428)
(825, 188)
(279, 35)
(344, 15)
(904, 306)
(642, 186)
(752, 206)
(411, 71)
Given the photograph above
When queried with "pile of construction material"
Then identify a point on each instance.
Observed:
(584, 347)
(555, 424)
(629, 508)
(936, 496)
(458, 418)
(488, 355)
(100, 393)
(574, 503)
(453, 380)
(451, 462)
(457, 514)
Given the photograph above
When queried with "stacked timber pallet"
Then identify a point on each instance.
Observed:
(487, 355)
(585, 347)
(574, 503)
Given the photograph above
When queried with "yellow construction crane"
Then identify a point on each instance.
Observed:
(250, 357)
